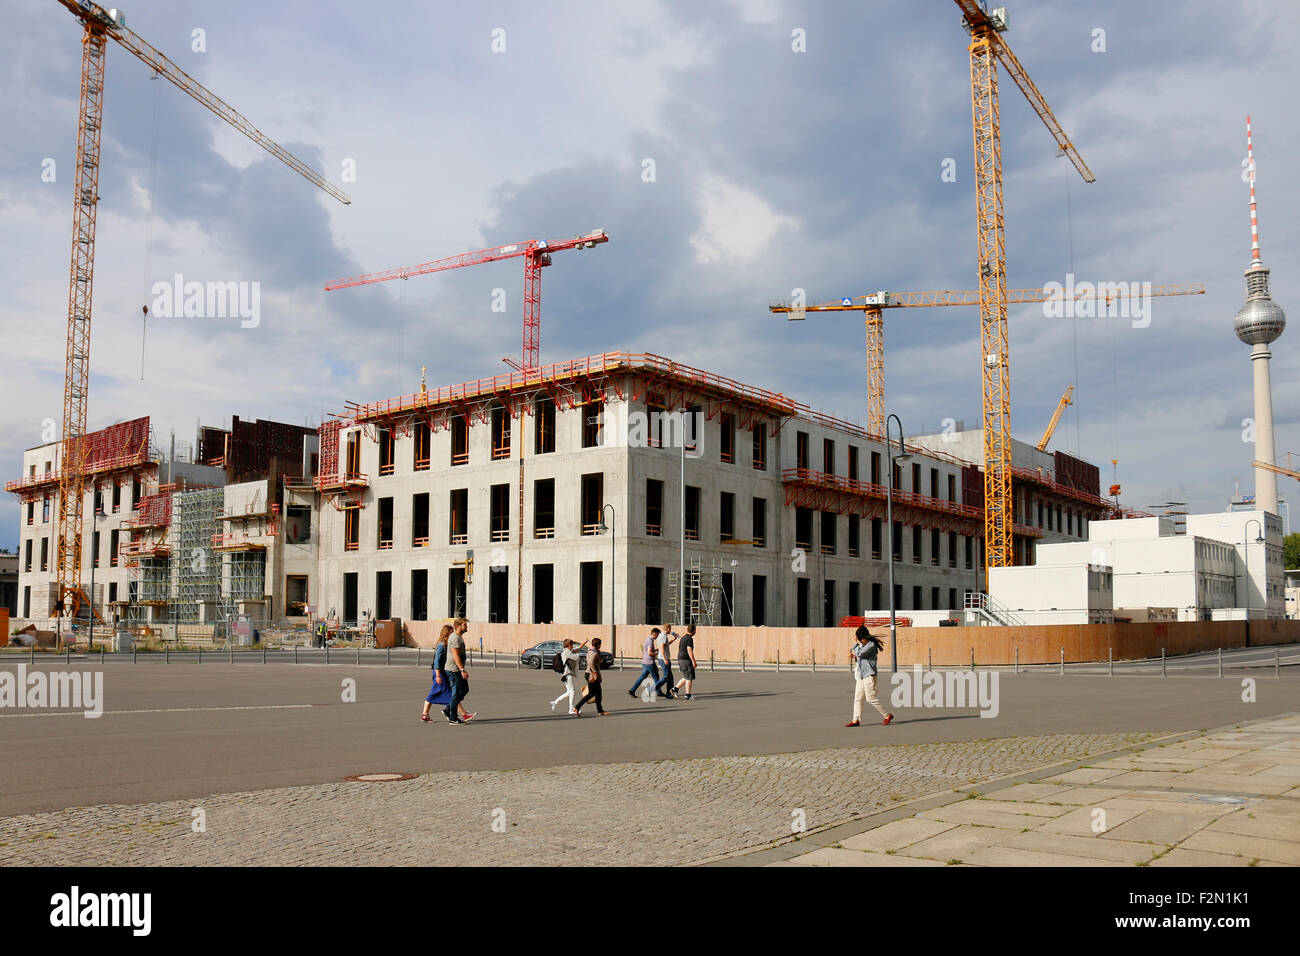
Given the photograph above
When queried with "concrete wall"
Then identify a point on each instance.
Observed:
(916, 645)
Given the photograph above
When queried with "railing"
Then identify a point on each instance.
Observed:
(501, 534)
(351, 546)
(421, 464)
(728, 457)
(654, 530)
(991, 610)
(853, 552)
(500, 452)
(760, 541)
(460, 458)
(460, 539)
(422, 542)
(591, 528)
(544, 533)
(387, 469)
(692, 534)
(828, 549)
(385, 544)
(760, 464)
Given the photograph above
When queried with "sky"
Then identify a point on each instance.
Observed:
(734, 150)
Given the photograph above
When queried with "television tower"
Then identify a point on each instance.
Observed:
(1259, 322)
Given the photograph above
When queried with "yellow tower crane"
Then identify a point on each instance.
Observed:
(100, 26)
(875, 303)
(987, 50)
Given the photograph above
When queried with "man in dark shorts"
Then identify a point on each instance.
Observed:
(593, 681)
(686, 662)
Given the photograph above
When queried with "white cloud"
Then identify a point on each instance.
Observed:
(737, 224)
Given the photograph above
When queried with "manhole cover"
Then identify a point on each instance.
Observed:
(1219, 798)
(380, 777)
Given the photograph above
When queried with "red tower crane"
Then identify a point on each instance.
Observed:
(536, 253)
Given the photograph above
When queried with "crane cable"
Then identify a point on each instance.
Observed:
(148, 229)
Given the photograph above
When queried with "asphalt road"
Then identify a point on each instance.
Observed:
(179, 731)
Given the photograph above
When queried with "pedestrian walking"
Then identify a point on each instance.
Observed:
(457, 674)
(593, 681)
(649, 651)
(664, 646)
(862, 656)
(440, 693)
(686, 662)
(569, 674)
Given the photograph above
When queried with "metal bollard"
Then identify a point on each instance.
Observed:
(134, 652)
(814, 660)
(1016, 655)
(33, 653)
(1063, 662)
(101, 656)
(67, 652)
(388, 656)
(778, 660)
(711, 662)
(494, 658)
(1110, 662)
(167, 655)
(1164, 671)
(358, 653)
(230, 653)
(742, 660)
(327, 653)
(200, 655)
(1277, 662)
(1221, 662)
(295, 653)
(417, 657)
(972, 658)
(263, 653)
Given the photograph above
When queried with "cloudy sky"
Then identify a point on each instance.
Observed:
(774, 169)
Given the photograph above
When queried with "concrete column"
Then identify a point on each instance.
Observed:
(1265, 481)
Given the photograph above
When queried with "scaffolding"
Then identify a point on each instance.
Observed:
(197, 569)
(703, 591)
(245, 577)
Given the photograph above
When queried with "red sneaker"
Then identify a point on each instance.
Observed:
(853, 723)
(468, 717)
(888, 719)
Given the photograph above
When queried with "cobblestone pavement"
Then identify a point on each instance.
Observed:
(660, 812)
(1228, 797)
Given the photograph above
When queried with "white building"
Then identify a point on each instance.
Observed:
(1225, 566)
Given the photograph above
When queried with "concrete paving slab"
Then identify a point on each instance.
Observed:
(1026, 808)
(1119, 850)
(1262, 848)
(1084, 775)
(960, 843)
(1268, 826)
(1044, 792)
(1158, 826)
(1079, 822)
(1179, 856)
(1013, 856)
(968, 811)
(896, 835)
(829, 856)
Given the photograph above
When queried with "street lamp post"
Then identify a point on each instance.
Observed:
(612, 570)
(903, 455)
(94, 559)
(1245, 546)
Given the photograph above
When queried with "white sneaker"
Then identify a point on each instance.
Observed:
(553, 703)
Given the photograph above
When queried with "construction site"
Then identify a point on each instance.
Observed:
(620, 489)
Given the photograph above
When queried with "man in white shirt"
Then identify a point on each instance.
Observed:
(664, 687)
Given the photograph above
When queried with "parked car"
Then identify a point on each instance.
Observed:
(539, 655)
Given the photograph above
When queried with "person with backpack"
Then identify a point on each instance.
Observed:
(650, 651)
(862, 656)
(593, 681)
(566, 664)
